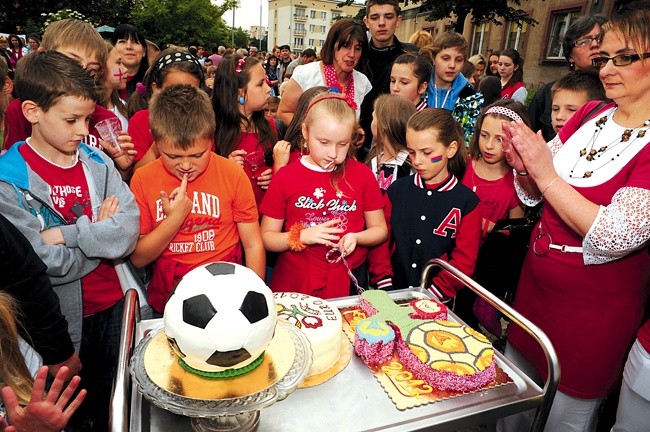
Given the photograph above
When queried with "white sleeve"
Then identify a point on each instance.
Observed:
(621, 227)
(520, 95)
(554, 145)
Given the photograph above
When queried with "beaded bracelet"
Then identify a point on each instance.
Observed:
(294, 238)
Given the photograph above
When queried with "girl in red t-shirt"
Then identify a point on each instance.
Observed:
(322, 213)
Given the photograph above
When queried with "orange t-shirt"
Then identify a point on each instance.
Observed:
(222, 197)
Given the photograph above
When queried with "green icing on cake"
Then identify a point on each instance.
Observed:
(229, 373)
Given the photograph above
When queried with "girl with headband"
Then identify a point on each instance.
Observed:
(172, 66)
(323, 225)
(490, 177)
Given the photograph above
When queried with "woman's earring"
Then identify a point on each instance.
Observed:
(241, 100)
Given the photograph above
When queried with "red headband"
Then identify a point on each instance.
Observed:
(329, 96)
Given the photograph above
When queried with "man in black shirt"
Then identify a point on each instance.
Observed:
(382, 19)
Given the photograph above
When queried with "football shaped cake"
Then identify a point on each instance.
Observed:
(219, 320)
(444, 354)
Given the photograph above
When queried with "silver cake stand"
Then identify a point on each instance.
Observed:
(228, 414)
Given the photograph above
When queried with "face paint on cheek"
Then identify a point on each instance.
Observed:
(436, 159)
(117, 74)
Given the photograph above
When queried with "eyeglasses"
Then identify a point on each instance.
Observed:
(619, 60)
(588, 40)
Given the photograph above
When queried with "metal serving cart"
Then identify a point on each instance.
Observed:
(353, 400)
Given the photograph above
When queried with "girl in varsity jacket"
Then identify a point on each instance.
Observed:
(432, 214)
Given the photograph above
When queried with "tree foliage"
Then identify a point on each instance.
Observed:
(495, 11)
(183, 22)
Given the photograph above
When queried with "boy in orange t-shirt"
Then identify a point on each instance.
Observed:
(210, 206)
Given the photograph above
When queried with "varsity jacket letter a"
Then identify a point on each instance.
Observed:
(450, 222)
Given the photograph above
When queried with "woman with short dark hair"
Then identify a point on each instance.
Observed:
(342, 58)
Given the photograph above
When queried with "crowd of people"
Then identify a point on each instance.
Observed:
(381, 152)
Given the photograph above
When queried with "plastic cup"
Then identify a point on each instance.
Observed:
(109, 130)
(255, 160)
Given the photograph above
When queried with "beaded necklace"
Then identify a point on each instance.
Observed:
(606, 152)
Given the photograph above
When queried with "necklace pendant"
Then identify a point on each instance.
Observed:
(583, 152)
(601, 121)
(626, 135)
(641, 133)
(589, 157)
(602, 149)
(587, 174)
(592, 152)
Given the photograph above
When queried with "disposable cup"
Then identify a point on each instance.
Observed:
(109, 130)
(255, 160)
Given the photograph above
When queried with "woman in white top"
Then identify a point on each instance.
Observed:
(345, 46)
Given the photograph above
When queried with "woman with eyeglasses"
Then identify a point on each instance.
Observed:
(586, 276)
(579, 45)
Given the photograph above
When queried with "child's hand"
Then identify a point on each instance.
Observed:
(45, 412)
(281, 151)
(264, 179)
(53, 236)
(359, 138)
(177, 204)
(109, 207)
(238, 156)
(126, 159)
(347, 244)
(325, 234)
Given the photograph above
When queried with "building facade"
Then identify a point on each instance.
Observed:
(257, 32)
(540, 45)
(304, 24)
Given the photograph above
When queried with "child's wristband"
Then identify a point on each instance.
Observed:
(293, 241)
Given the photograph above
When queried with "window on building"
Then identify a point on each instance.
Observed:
(298, 42)
(560, 22)
(515, 34)
(312, 14)
(301, 12)
(312, 28)
(323, 15)
(336, 15)
(300, 27)
(479, 37)
(311, 43)
(323, 29)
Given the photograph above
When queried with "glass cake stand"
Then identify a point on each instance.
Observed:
(224, 414)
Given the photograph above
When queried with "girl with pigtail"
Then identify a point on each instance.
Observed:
(245, 134)
(172, 66)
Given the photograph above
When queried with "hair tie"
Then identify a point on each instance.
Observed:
(140, 88)
(240, 64)
(504, 112)
(331, 95)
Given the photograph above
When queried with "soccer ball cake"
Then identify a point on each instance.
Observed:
(219, 320)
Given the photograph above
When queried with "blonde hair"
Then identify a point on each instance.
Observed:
(333, 105)
(75, 33)
(13, 370)
(421, 38)
(634, 27)
(392, 113)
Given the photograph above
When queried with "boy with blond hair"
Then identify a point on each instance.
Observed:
(70, 202)
(81, 42)
(207, 206)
